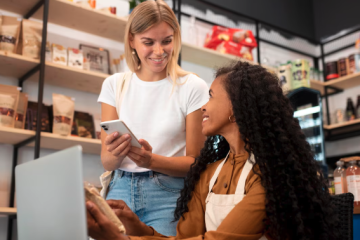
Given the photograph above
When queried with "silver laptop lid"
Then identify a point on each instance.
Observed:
(50, 197)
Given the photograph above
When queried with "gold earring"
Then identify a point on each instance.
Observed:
(230, 119)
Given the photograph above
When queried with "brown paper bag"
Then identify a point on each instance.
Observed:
(63, 111)
(21, 111)
(9, 34)
(9, 97)
(31, 39)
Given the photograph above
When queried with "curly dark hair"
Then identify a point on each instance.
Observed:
(298, 204)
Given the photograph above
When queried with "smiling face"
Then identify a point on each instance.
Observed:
(154, 47)
(217, 110)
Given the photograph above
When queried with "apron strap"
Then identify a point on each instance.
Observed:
(240, 188)
(216, 174)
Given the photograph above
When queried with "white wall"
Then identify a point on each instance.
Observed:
(87, 101)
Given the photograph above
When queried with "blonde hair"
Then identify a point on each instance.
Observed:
(143, 17)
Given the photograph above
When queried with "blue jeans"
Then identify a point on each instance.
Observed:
(151, 196)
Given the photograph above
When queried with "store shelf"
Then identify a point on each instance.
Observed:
(342, 130)
(317, 85)
(7, 211)
(72, 15)
(346, 82)
(21, 7)
(14, 65)
(68, 77)
(86, 19)
(49, 140)
(340, 125)
(14, 135)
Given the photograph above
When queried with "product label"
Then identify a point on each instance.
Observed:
(338, 182)
(7, 39)
(353, 183)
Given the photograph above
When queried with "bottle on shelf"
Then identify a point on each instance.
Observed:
(358, 107)
(353, 181)
(350, 110)
(340, 178)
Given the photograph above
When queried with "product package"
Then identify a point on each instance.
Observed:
(331, 70)
(9, 33)
(58, 54)
(63, 114)
(31, 117)
(21, 111)
(231, 40)
(92, 194)
(300, 70)
(83, 125)
(343, 67)
(75, 58)
(31, 38)
(9, 98)
(354, 63)
(285, 78)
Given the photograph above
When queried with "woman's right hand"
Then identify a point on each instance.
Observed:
(132, 223)
(118, 146)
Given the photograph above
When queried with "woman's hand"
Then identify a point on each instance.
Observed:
(132, 223)
(99, 226)
(141, 156)
(118, 146)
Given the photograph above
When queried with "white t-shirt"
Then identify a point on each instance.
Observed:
(154, 113)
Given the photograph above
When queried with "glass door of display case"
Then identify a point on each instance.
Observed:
(307, 107)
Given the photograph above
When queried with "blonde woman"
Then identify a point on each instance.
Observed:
(161, 105)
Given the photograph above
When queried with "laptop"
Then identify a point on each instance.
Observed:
(50, 197)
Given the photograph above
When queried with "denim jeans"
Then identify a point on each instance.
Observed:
(151, 196)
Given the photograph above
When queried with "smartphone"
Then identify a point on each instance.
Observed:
(120, 127)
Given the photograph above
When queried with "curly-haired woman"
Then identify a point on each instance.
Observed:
(255, 178)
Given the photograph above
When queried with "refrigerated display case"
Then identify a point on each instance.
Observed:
(307, 107)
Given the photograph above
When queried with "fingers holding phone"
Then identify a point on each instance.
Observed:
(117, 145)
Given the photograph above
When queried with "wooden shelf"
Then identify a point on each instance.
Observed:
(340, 125)
(49, 140)
(86, 19)
(21, 7)
(346, 82)
(14, 65)
(68, 77)
(317, 85)
(7, 211)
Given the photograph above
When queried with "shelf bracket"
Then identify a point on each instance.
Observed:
(28, 75)
(34, 9)
(336, 91)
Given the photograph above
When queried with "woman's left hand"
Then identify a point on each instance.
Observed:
(141, 156)
(99, 226)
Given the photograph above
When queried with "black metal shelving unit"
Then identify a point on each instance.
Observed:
(37, 138)
(328, 91)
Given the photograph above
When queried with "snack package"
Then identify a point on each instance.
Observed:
(63, 114)
(9, 98)
(343, 67)
(75, 58)
(31, 38)
(285, 78)
(300, 70)
(9, 33)
(232, 41)
(21, 111)
(83, 125)
(92, 194)
(58, 54)
(31, 117)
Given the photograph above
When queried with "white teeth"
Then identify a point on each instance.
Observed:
(206, 118)
(158, 60)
